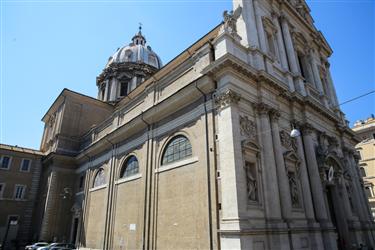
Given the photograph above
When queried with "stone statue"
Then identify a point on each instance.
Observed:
(293, 190)
(252, 188)
(230, 19)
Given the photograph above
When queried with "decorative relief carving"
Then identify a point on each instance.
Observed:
(227, 98)
(248, 128)
(287, 141)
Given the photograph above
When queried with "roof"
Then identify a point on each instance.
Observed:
(20, 149)
(60, 99)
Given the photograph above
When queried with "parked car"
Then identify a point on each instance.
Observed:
(36, 245)
(57, 246)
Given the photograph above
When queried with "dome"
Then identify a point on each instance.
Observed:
(136, 52)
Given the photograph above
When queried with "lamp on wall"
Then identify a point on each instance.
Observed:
(295, 133)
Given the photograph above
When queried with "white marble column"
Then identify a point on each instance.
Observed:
(282, 177)
(292, 58)
(113, 93)
(334, 99)
(317, 79)
(271, 187)
(313, 170)
(247, 29)
(321, 211)
(246, 25)
(307, 199)
(280, 42)
(289, 46)
(106, 96)
(260, 28)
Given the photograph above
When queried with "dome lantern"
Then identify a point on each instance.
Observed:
(127, 68)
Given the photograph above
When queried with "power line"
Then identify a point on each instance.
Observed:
(355, 98)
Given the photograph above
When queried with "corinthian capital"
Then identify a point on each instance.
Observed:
(262, 108)
(275, 115)
(307, 128)
(226, 98)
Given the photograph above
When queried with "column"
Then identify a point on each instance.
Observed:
(271, 192)
(246, 25)
(307, 200)
(289, 46)
(106, 91)
(286, 204)
(345, 196)
(113, 93)
(260, 28)
(313, 170)
(358, 192)
(334, 99)
(280, 42)
(314, 65)
(321, 211)
(248, 30)
(292, 58)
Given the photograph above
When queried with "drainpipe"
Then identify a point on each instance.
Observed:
(208, 165)
(107, 228)
(148, 175)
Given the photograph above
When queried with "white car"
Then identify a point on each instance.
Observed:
(36, 245)
(54, 246)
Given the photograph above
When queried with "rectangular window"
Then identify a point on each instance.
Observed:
(123, 88)
(2, 187)
(5, 162)
(19, 192)
(25, 165)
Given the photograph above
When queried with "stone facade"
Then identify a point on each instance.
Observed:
(199, 154)
(365, 130)
(20, 170)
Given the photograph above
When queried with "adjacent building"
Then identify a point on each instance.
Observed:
(366, 151)
(198, 153)
(20, 170)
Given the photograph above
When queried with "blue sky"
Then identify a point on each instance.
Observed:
(51, 45)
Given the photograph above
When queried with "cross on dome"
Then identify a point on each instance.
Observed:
(139, 39)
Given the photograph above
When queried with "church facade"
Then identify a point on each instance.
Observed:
(199, 154)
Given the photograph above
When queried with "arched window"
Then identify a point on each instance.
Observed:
(99, 178)
(130, 167)
(177, 149)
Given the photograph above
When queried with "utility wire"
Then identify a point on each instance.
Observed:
(355, 98)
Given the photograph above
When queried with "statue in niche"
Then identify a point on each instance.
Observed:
(293, 189)
(252, 188)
